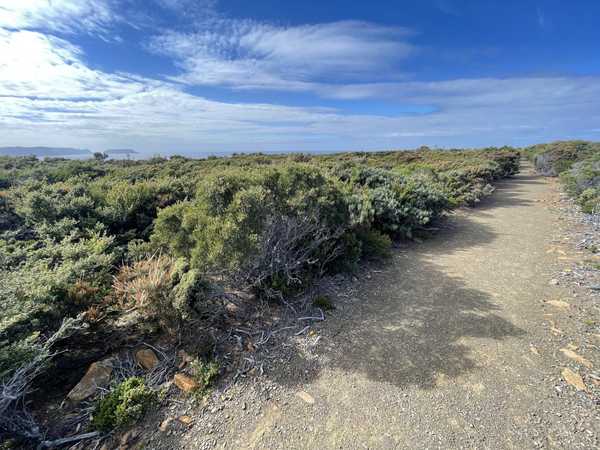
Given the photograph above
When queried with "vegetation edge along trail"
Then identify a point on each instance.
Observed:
(142, 251)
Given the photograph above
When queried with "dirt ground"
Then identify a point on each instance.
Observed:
(461, 341)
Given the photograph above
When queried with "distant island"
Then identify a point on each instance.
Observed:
(43, 151)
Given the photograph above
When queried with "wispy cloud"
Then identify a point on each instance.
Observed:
(64, 16)
(250, 55)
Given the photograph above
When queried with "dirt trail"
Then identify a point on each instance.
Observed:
(448, 346)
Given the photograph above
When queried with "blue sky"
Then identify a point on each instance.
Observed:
(186, 76)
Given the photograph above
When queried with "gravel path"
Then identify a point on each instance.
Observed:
(456, 343)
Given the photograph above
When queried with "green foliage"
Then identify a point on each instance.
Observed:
(38, 280)
(271, 223)
(235, 214)
(396, 204)
(205, 373)
(557, 157)
(374, 244)
(17, 354)
(123, 405)
(578, 164)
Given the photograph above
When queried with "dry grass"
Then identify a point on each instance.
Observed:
(146, 284)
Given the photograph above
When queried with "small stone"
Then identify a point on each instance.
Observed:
(595, 287)
(146, 358)
(185, 382)
(97, 375)
(554, 282)
(534, 350)
(306, 397)
(244, 406)
(186, 420)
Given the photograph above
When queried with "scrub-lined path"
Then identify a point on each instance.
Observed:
(450, 345)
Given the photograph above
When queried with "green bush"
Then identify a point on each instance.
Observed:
(39, 202)
(35, 293)
(205, 373)
(123, 405)
(238, 219)
(395, 204)
(374, 245)
(557, 157)
(578, 164)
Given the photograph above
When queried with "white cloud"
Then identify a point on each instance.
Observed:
(38, 65)
(65, 16)
(162, 118)
(250, 55)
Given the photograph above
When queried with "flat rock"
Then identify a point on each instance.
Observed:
(146, 358)
(164, 425)
(97, 375)
(186, 420)
(185, 382)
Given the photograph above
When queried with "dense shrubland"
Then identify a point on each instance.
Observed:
(578, 165)
(161, 237)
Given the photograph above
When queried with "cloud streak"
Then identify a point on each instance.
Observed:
(250, 55)
(64, 16)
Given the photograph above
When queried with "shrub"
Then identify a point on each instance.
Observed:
(45, 286)
(557, 157)
(578, 164)
(589, 200)
(123, 405)
(161, 286)
(205, 373)
(374, 245)
(268, 228)
(399, 205)
(582, 181)
(39, 202)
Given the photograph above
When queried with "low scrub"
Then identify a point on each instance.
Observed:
(162, 287)
(124, 405)
(161, 236)
(578, 164)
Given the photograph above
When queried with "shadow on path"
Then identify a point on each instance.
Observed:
(407, 325)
